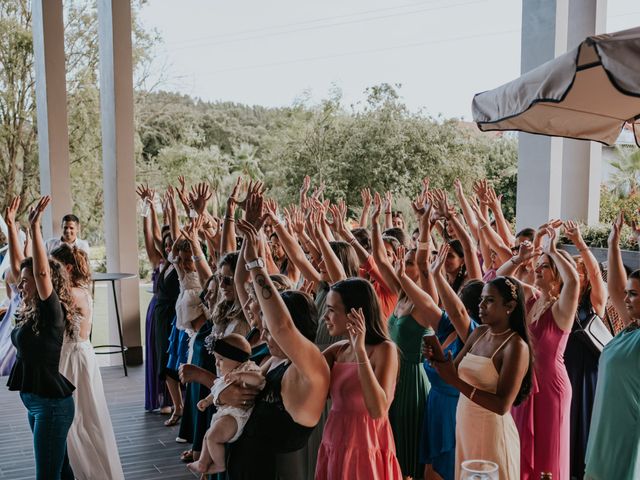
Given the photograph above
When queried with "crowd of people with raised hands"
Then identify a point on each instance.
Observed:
(298, 342)
(381, 353)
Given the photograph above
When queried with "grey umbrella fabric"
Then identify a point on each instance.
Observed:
(588, 93)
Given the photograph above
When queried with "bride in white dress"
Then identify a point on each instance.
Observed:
(91, 443)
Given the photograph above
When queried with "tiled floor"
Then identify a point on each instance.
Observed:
(147, 448)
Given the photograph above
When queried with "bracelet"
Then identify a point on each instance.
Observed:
(229, 219)
(484, 225)
(583, 249)
(473, 392)
(352, 241)
(423, 245)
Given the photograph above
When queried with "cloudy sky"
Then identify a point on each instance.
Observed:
(274, 52)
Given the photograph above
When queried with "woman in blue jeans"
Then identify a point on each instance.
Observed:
(46, 313)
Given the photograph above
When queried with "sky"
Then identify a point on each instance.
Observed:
(277, 52)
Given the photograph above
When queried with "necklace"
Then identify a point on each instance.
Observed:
(537, 309)
(499, 333)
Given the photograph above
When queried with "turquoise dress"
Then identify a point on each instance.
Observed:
(412, 387)
(438, 445)
(613, 450)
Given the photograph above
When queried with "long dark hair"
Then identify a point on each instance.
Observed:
(347, 256)
(224, 312)
(358, 293)
(470, 297)
(29, 312)
(456, 246)
(510, 289)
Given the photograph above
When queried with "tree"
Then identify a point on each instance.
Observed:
(625, 180)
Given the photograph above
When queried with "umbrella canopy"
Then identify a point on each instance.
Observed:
(588, 93)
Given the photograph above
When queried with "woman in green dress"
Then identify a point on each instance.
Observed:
(613, 450)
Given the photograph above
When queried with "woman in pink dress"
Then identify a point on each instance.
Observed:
(357, 441)
(551, 309)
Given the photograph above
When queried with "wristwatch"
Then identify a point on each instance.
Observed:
(257, 263)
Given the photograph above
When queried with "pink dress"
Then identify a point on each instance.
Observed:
(354, 445)
(547, 410)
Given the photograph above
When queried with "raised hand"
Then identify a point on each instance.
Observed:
(317, 191)
(183, 195)
(616, 228)
(399, 265)
(36, 212)
(251, 242)
(365, 193)
(550, 247)
(635, 229)
(526, 251)
(441, 203)
(306, 184)
(572, 232)
(387, 203)
(11, 211)
(254, 209)
(438, 262)
(357, 330)
(199, 196)
(377, 205)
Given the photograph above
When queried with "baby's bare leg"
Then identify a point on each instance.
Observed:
(219, 434)
(212, 456)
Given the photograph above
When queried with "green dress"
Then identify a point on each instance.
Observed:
(613, 450)
(407, 409)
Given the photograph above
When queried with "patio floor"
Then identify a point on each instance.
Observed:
(147, 448)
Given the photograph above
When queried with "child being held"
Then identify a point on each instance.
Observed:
(233, 366)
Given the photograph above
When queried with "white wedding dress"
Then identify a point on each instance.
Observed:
(91, 443)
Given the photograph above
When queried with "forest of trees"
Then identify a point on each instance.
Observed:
(378, 143)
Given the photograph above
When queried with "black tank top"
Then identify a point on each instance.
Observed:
(269, 431)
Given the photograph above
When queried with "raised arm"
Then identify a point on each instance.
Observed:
(154, 256)
(15, 249)
(277, 319)
(377, 248)
(377, 374)
(564, 310)
(228, 241)
(293, 250)
(598, 294)
(199, 260)
(451, 303)
(41, 271)
(335, 270)
(616, 275)
(474, 272)
(467, 212)
(502, 226)
(387, 206)
(426, 311)
(366, 204)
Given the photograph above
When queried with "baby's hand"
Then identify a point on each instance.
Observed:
(202, 405)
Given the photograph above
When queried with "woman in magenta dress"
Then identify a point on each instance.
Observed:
(357, 441)
(543, 421)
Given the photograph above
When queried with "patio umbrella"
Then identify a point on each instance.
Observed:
(588, 93)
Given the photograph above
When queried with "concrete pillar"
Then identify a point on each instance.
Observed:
(51, 107)
(544, 36)
(116, 106)
(582, 160)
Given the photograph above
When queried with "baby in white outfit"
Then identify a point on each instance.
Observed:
(233, 365)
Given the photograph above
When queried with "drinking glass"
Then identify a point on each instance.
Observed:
(479, 470)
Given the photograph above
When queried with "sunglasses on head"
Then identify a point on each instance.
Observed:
(225, 280)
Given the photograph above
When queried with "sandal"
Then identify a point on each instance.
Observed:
(173, 420)
(187, 456)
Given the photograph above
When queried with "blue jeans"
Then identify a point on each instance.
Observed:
(50, 419)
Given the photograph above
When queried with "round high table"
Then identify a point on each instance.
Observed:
(113, 278)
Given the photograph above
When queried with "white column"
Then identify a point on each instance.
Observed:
(116, 105)
(582, 160)
(544, 36)
(51, 106)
